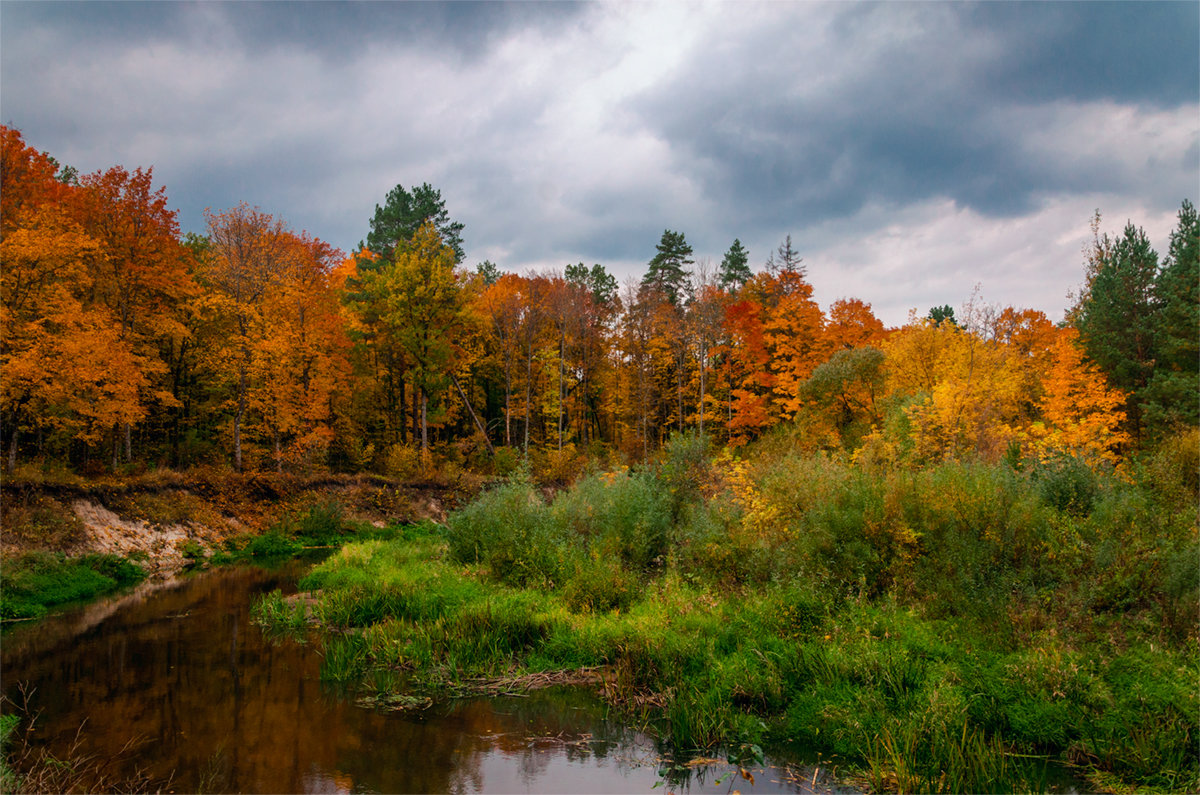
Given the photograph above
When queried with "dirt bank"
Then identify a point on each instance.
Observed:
(163, 518)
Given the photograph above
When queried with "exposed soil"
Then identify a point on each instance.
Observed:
(163, 517)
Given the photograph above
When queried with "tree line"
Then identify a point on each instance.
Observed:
(126, 343)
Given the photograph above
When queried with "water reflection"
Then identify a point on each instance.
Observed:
(181, 671)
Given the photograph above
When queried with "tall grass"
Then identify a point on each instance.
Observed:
(948, 628)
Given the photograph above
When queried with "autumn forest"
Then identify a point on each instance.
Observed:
(957, 555)
(126, 345)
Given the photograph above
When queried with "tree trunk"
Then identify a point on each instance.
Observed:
(12, 444)
(528, 381)
(400, 411)
(278, 452)
(416, 413)
(507, 402)
(471, 411)
(237, 421)
(562, 344)
(128, 433)
(424, 424)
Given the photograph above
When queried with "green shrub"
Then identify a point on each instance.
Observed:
(9, 780)
(505, 461)
(509, 529)
(682, 467)
(626, 513)
(322, 523)
(1067, 484)
(1172, 471)
(120, 570)
(192, 551)
(272, 544)
(714, 547)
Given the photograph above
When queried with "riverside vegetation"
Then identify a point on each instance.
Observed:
(949, 628)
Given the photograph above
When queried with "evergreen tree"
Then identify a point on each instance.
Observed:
(1172, 394)
(488, 271)
(942, 314)
(668, 269)
(403, 213)
(1116, 321)
(600, 284)
(735, 267)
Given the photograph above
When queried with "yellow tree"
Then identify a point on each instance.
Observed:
(1080, 414)
(301, 352)
(503, 305)
(250, 253)
(964, 396)
(425, 309)
(1029, 338)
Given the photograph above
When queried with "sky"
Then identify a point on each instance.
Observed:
(917, 154)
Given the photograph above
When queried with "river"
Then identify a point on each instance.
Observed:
(175, 684)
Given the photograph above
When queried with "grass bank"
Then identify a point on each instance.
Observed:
(949, 628)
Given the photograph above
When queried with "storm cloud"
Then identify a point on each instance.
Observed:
(912, 151)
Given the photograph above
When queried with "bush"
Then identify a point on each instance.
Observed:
(508, 528)
(403, 462)
(559, 466)
(1067, 484)
(505, 461)
(43, 522)
(322, 523)
(683, 467)
(271, 545)
(1172, 471)
(628, 514)
(717, 548)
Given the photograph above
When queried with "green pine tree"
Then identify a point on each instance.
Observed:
(403, 213)
(1116, 320)
(1172, 397)
(668, 272)
(735, 267)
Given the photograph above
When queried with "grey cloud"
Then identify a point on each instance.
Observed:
(1126, 51)
(784, 118)
(850, 113)
(337, 31)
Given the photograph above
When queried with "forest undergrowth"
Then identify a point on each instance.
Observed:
(953, 627)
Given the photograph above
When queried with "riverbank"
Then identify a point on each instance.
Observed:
(67, 539)
(963, 627)
(170, 688)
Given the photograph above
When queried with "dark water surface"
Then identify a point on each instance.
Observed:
(180, 671)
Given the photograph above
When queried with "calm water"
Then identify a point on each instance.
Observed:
(181, 672)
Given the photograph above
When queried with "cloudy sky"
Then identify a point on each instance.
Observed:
(912, 151)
